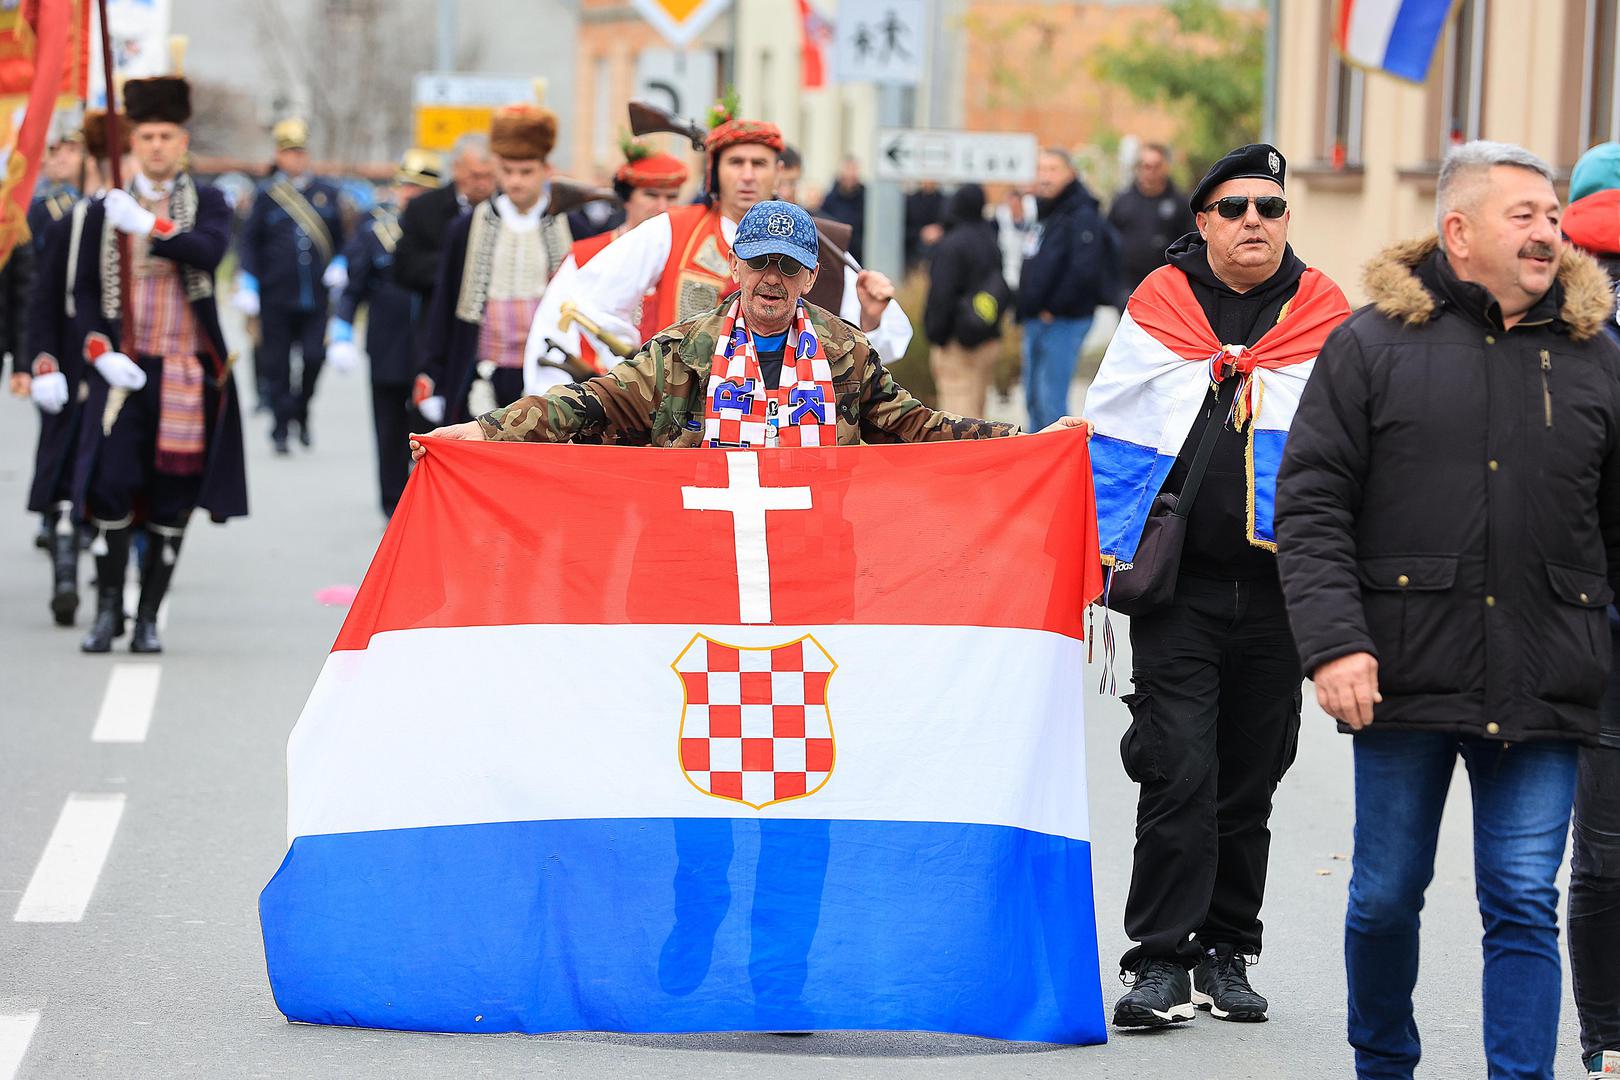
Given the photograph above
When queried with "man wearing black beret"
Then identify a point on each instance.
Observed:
(1215, 714)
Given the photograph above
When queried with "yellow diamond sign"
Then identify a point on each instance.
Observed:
(680, 20)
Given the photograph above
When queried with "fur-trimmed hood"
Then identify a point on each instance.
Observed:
(1392, 283)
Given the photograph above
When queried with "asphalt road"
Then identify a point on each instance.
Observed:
(162, 974)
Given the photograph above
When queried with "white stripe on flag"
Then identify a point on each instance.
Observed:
(1371, 22)
(930, 723)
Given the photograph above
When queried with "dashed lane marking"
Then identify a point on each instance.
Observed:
(67, 873)
(16, 1031)
(126, 707)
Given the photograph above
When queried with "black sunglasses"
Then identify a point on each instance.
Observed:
(785, 266)
(1235, 206)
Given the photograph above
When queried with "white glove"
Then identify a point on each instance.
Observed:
(246, 301)
(336, 276)
(343, 356)
(432, 409)
(50, 392)
(128, 216)
(120, 371)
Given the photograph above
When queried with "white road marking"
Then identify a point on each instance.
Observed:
(126, 707)
(67, 873)
(15, 1033)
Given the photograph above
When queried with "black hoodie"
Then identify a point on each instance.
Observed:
(962, 261)
(1217, 542)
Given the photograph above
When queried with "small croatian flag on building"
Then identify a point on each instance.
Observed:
(1397, 36)
(619, 739)
(1154, 380)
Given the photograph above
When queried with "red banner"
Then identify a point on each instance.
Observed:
(43, 53)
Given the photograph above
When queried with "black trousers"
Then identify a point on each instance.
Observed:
(279, 331)
(1214, 725)
(125, 477)
(1594, 882)
(395, 420)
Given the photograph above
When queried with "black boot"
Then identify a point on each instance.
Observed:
(157, 570)
(64, 568)
(111, 549)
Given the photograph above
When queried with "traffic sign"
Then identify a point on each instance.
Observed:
(955, 157)
(880, 41)
(680, 20)
(686, 82)
(450, 105)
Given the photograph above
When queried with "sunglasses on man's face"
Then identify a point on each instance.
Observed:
(1235, 206)
(785, 266)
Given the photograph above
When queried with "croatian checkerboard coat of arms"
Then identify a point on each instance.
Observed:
(755, 727)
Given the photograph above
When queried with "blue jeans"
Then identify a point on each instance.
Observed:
(1051, 350)
(1522, 796)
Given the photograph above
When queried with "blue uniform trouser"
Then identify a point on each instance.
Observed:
(1051, 350)
(280, 330)
(1522, 795)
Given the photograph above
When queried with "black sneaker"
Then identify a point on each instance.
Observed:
(1221, 985)
(1160, 994)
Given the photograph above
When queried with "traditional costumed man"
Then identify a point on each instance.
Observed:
(391, 315)
(58, 372)
(162, 431)
(497, 261)
(647, 184)
(765, 368)
(290, 254)
(683, 257)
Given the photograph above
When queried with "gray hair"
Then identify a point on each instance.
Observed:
(475, 143)
(1466, 167)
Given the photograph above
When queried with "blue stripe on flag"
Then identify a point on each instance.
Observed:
(1268, 452)
(1412, 38)
(660, 925)
(1127, 476)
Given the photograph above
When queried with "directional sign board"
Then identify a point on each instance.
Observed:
(449, 106)
(880, 41)
(956, 157)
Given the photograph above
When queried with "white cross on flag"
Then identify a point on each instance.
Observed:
(623, 739)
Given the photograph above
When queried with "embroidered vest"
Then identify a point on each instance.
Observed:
(698, 272)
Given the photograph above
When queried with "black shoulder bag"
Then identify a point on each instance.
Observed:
(1148, 582)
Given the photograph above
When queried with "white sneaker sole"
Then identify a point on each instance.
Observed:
(1204, 1001)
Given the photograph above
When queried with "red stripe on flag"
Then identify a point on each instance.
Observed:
(991, 533)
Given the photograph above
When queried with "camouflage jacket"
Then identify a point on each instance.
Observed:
(656, 398)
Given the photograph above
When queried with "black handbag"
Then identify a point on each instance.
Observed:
(1148, 582)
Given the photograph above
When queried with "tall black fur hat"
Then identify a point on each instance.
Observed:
(163, 99)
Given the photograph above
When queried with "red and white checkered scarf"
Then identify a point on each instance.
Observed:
(740, 410)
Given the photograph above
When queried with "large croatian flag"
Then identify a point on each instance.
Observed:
(1154, 379)
(621, 739)
(1397, 36)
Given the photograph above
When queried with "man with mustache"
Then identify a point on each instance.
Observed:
(1448, 526)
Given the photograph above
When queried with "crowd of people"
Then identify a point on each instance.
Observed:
(1416, 506)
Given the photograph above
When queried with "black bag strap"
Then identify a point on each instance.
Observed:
(1206, 445)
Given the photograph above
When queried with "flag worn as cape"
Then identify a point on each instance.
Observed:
(628, 739)
(1154, 378)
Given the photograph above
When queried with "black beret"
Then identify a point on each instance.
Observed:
(1259, 161)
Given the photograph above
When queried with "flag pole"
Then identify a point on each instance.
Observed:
(115, 172)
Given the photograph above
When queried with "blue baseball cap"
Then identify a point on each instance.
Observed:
(774, 227)
(1598, 170)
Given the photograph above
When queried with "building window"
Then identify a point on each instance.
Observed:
(1600, 90)
(1346, 86)
(1464, 86)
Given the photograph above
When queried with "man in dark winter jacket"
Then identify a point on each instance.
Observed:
(1448, 517)
(846, 202)
(963, 314)
(1216, 710)
(1071, 261)
(1592, 223)
(1148, 216)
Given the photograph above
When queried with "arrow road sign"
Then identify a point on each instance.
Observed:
(955, 157)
